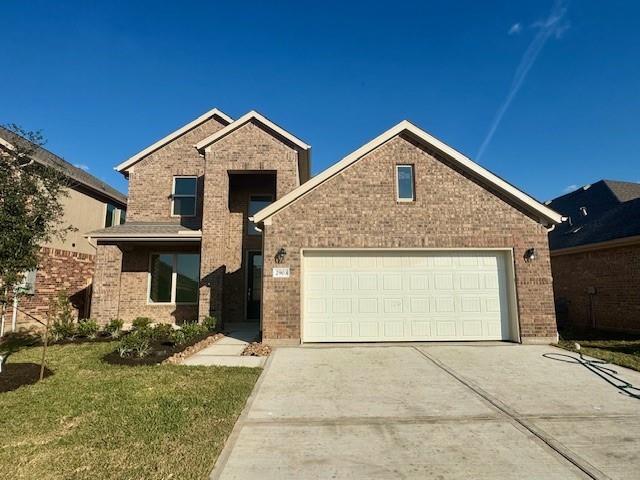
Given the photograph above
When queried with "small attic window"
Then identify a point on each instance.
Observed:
(583, 211)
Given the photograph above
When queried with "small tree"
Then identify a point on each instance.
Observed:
(31, 208)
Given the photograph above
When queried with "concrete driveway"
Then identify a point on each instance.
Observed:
(499, 411)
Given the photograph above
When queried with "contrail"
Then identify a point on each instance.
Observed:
(547, 28)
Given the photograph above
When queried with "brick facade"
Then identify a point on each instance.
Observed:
(58, 271)
(249, 149)
(151, 179)
(599, 288)
(358, 209)
(355, 209)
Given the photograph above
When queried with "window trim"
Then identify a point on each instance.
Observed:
(174, 278)
(413, 183)
(173, 196)
(113, 215)
(248, 222)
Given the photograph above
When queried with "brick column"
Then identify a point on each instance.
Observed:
(215, 217)
(105, 300)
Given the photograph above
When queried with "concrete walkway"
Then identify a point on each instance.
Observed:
(433, 412)
(227, 352)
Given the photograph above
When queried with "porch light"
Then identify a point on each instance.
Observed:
(530, 255)
(280, 254)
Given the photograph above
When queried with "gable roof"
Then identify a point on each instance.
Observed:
(612, 212)
(545, 214)
(49, 159)
(172, 136)
(247, 117)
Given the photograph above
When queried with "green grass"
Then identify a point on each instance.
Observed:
(92, 420)
(616, 348)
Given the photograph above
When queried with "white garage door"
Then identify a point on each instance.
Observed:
(368, 296)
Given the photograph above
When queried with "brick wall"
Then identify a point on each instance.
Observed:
(58, 270)
(249, 149)
(121, 288)
(151, 179)
(613, 274)
(358, 209)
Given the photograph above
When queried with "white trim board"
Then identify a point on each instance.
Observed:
(124, 166)
(547, 215)
(247, 117)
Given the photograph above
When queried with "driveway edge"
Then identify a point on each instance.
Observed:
(230, 443)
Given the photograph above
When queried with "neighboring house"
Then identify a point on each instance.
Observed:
(404, 239)
(67, 265)
(595, 256)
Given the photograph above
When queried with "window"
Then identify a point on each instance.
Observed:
(110, 215)
(123, 216)
(404, 183)
(256, 204)
(183, 196)
(174, 278)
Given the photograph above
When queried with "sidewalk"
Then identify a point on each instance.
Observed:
(227, 352)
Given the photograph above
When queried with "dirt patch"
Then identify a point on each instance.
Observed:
(16, 375)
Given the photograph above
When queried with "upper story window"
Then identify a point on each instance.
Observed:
(183, 196)
(256, 203)
(405, 183)
(110, 215)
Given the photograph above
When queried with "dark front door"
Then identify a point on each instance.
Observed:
(254, 285)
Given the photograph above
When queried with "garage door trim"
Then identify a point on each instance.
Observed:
(512, 303)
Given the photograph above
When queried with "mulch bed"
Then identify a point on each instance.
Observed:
(178, 357)
(163, 353)
(257, 349)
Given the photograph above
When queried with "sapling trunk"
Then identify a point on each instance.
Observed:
(44, 346)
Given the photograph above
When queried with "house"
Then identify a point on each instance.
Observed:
(403, 239)
(595, 256)
(68, 264)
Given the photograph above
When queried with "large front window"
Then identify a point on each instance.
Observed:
(184, 196)
(174, 278)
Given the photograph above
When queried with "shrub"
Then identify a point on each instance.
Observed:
(140, 323)
(194, 331)
(88, 328)
(135, 344)
(210, 323)
(162, 332)
(178, 337)
(62, 313)
(114, 327)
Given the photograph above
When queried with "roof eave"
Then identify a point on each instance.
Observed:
(124, 166)
(247, 117)
(544, 214)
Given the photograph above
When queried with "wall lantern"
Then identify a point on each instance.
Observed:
(280, 254)
(530, 255)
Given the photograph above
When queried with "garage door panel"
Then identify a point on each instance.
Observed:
(412, 296)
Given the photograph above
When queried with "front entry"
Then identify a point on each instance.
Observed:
(254, 285)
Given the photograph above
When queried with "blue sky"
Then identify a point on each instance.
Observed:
(547, 93)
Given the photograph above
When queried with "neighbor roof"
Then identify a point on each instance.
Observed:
(144, 231)
(47, 158)
(545, 214)
(612, 211)
(172, 136)
(247, 117)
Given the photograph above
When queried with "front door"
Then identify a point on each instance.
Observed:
(254, 285)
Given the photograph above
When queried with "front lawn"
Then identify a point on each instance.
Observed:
(616, 348)
(92, 420)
